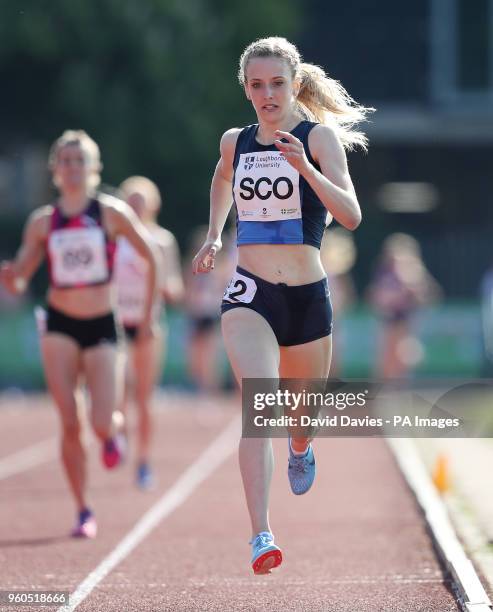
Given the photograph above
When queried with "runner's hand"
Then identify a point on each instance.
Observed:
(293, 151)
(204, 260)
(10, 280)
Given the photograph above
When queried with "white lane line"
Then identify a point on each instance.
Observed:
(29, 457)
(213, 456)
(472, 592)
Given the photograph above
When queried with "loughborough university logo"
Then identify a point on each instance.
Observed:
(249, 161)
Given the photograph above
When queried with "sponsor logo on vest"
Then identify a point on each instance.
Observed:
(260, 188)
(264, 161)
(249, 161)
(288, 211)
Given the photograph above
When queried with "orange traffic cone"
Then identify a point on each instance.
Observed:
(440, 475)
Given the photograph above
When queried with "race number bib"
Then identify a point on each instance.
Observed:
(131, 302)
(78, 256)
(130, 278)
(266, 187)
(240, 289)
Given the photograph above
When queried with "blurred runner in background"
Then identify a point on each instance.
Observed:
(401, 285)
(145, 356)
(338, 255)
(486, 293)
(78, 334)
(203, 301)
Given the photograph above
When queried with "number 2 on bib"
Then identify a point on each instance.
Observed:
(240, 289)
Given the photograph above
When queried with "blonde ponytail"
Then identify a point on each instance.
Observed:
(320, 98)
(325, 100)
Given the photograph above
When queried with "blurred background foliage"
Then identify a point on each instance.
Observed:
(154, 83)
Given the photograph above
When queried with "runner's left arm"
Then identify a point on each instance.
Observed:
(332, 183)
(170, 275)
(125, 222)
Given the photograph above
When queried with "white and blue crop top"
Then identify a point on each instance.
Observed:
(274, 204)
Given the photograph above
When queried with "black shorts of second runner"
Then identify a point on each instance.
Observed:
(296, 313)
(204, 324)
(130, 332)
(87, 333)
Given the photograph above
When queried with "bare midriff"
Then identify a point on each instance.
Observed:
(82, 302)
(293, 264)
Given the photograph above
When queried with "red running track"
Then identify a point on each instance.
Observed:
(356, 542)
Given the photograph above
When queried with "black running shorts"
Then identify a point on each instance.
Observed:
(296, 313)
(86, 332)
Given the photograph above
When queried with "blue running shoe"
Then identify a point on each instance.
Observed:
(145, 477)
(86, 525)
(301, 470)
(265, 554)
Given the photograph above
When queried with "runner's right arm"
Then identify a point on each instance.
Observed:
(221, 202)
(16, 274)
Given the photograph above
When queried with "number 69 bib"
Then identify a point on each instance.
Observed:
(240, 289)
(78, 256)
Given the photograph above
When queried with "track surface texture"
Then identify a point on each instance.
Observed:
(355, 543)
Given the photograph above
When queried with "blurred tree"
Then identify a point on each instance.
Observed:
(152, 81)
